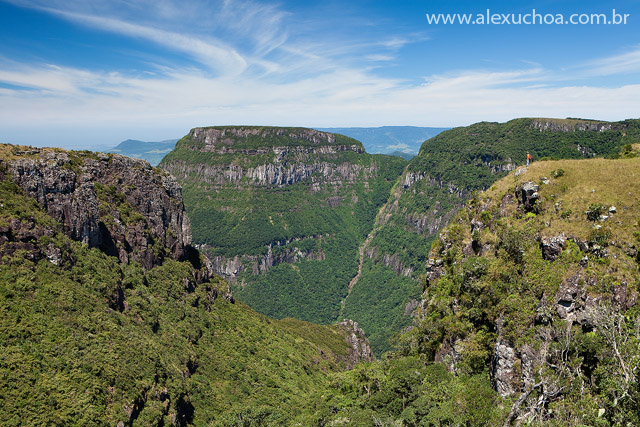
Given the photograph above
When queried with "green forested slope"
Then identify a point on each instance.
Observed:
(88, 340)
(435, 184)
(282, 211)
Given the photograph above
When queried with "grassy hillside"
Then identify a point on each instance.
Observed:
(282, 211)
(436, 183)
(87, 340)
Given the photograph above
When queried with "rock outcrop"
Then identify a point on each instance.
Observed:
(552, 246)
(360, 350)
(573, 125)
(516, 293)
(121, 205)
(528, 195)
(231, 267)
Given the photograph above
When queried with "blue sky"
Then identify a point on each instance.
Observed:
(81, 73)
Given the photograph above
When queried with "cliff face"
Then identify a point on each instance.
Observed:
(359, 348)
(281, 211)
(267, 157)
(535, 282)
(118, 204)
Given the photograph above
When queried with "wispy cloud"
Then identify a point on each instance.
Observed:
(343, 97)
(628, 62)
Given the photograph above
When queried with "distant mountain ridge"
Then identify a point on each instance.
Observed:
(150, 151)
(403, 141)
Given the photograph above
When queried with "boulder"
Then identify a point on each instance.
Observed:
(552, 246)
(528, 195)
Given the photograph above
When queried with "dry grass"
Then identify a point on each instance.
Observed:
(585, 182)
(11, 152)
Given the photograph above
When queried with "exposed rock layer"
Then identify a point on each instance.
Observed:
(119, 204)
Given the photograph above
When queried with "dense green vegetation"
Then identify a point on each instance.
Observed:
(463, 156)
(407, 391)
(571, 322)
(95, 342)
(310, 290)
(446, 172)
(309, 229)
(254, 137)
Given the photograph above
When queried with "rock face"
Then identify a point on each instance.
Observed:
(360, 348)
(504, 377)
(230, 268)
(281, 212)
(552, 247)
(262, 160)
(528, 195)
(574, 125)
(118, 204)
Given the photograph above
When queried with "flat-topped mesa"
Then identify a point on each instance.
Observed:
(266, 156)
(261, 140)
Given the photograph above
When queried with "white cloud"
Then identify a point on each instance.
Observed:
(340, 98)
(213, 53)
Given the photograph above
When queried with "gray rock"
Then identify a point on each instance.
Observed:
(65, 185)
(360, 349)
(528, 195)
(54, 255)
(504, 377)
(449, 353)
(567, 297)
(552, 247)
(476, 225)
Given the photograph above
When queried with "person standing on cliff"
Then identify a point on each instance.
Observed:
(529, 158)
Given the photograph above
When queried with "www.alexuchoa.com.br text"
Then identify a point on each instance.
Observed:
(531, 18)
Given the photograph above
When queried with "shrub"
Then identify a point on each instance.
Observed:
(594, 211)
(513, 242)
(475, 267)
